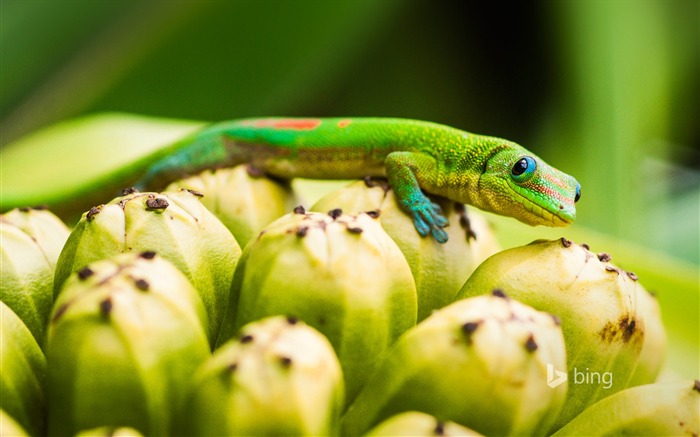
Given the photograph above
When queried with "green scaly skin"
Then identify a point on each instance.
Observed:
(490, 173)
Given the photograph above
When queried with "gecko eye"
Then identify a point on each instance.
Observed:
(523, 169)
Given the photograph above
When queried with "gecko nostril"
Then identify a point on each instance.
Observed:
(561, 206)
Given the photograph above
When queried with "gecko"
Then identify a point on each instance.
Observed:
(416, 157)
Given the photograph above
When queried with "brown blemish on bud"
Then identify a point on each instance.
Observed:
(302, 231)
(565, 242)
(470, 327)
(604, 257)
(354, 230)
(439, 428)
(232, 367)
(292, 320)
(93, 212)
(156, 204)
(85, 273)
(149, 254)
(286, 362)
(106, 307)
(130, 190)
(254, 172)
(531, 344)
(194, 192)
(696, 385)
(624, 329)
(612, 269)
(585, 246)
(299, 210)
(556, 319)
(24, 209)
(632, 276)
(247, 338)
(142, 284)
(335, 213)
(59, 312)
(499, 293)
(374, 214)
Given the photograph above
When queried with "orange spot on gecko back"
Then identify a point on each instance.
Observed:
(289, 123)
(344, 123)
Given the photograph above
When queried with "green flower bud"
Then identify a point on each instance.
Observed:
(341, 274)
(22, 373)
(414, 423)
(9, 427)
(651, 358)
(31, 242)
(279, 377)
(244, 203)
(668, 409)
(125, 337)
(176, 226)
(595, 301)
(481, 362)
(439, 270)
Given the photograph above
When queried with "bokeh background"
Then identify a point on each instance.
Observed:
(607, 91)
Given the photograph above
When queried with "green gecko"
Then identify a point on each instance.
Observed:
(489, 173)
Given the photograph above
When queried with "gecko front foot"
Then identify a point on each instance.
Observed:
(429, 219)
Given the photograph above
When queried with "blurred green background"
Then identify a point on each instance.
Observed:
(607, 91)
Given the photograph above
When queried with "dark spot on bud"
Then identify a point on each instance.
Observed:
(585, 246)
(149, 254)
(292, 320)
(286, 362)
(93, 212)
(439, 428)
(24, 209)
(194, 192)
(302, 231)
(156, 204)
(354, 230)
(322, 321)
(85, 273)
(557, 320)
(247, 338)
(612, 269)
(59, 312)
(604, 257)
(499, 293)
(42, 207)
(530, 344)
(374, 214)
(106, 307)
(632, 276)
(459, 207)
(299, 210)
(628, 329)
(335, 213)
(565, 242)
(254, 172)
(130, 190)
(696, 385)
(625, 329)
(369, 183)
(470, 327)
(142, 284)
(232, 367)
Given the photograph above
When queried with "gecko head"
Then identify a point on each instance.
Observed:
(527, 188)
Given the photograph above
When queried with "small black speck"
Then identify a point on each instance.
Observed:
(498, 293)
(335, 213)
(302, 231)
(59, 312)
(374, 214)
(354, 230)
(565, 242)
(556, 319)
(24, 209)
(142, 284)
(585, 246)
(156, 204)
(439, 428)
(93, 212)
(149, 254)
(233, 367)
(130, 190)
(469, 327)
(106, 307)
(696, 385)
(612, 269)
(530, 344)
(299, 210)
(286, 361)
(632, 276)
(292, 320)
(246, 338)
(85, 273)
(604, 257)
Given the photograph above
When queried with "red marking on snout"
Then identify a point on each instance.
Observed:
(289, 123)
